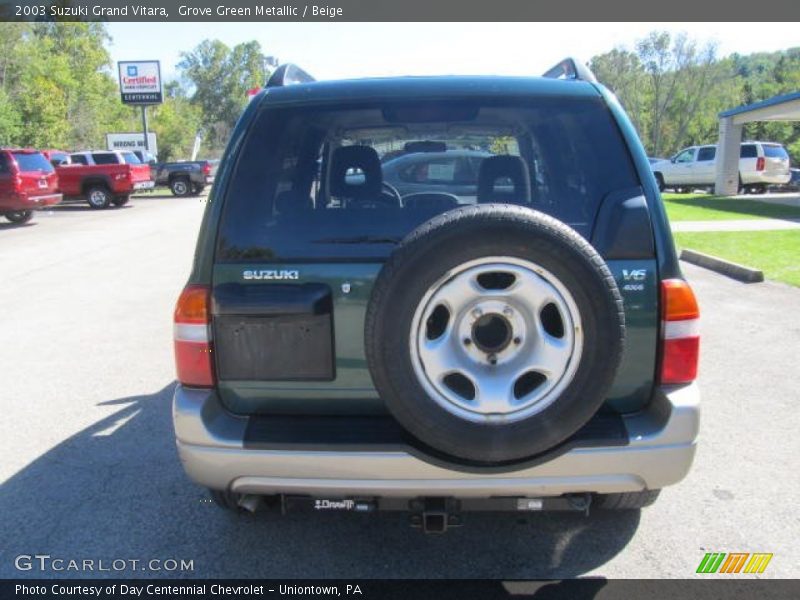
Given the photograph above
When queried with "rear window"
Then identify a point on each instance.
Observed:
(105, 159)
(131, 158)
(315, 183)
(32, 162)
(79, 159)
(748, 151)
(775, 151)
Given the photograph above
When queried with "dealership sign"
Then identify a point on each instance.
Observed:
(140, 82)
(131, 141)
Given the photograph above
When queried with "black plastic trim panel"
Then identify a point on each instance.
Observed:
(382, 433)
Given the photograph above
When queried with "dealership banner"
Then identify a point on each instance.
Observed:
(140, 82)
(394, 10)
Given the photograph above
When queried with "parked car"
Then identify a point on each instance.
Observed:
(415, 174)
(27, 183)
(455, 170)
(145, 156)
(56, 157)
(531, 348)
(793, 184)
(184, 178)
(760, 164)
(103, 177)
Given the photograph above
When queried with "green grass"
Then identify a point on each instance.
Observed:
(702, 207)
(777, 253)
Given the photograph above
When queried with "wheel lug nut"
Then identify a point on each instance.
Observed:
(517, 341)
(477, 312)
(467, 341)
(492, 359)
(507, 311)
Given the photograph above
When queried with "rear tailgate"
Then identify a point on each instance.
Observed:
(776, 160)
(36, 174)
(140, 177)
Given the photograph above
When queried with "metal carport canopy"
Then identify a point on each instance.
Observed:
(778, 108)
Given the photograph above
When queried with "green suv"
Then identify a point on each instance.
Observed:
(525, 342)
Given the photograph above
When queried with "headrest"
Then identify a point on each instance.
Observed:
(494, 168)
(364, 158)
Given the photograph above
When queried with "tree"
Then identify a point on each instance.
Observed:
(176, 122)
(672, 89)
(58, 88)
(220, 77)
(10, 121)
(623, 73)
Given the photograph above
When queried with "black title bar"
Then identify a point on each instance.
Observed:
(599, 588)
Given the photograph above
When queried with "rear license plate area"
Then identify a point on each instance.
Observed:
(273, 332)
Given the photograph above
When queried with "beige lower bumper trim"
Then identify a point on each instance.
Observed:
(660, 453)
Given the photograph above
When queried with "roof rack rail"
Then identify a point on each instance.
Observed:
(288, 74)
(570, 68)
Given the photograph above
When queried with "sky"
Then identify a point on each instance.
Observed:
(344, 50)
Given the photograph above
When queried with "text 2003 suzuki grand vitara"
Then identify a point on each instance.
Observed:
(513, 334)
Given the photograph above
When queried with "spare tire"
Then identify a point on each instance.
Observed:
(493, 333)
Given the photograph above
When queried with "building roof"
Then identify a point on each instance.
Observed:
(774, 101)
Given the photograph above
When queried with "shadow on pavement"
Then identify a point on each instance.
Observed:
(6, 225)
(116, 490)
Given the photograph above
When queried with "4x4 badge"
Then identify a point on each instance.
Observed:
(271, 274)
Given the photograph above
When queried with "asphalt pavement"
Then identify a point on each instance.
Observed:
(89, 468)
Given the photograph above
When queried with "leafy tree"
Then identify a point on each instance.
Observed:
(623, 73)
(10, 121)
(220, 77)
(176, 123)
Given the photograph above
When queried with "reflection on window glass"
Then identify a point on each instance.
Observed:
(330, 183)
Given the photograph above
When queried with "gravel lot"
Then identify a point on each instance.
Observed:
(89, 468)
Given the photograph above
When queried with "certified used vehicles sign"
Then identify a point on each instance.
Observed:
(140, 82)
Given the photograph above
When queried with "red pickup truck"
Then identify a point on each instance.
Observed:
(103, 177)
(27, 182)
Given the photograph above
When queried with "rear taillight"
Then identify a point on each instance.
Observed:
(206, 169)
(680, 332)
(760, 163)
(193, 359)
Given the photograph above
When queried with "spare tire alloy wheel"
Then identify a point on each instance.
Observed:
(494, 333)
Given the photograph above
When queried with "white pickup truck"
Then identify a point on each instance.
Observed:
(760, 164)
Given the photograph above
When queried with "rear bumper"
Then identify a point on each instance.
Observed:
(211, 446)
(28, 202)
(764, 177)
